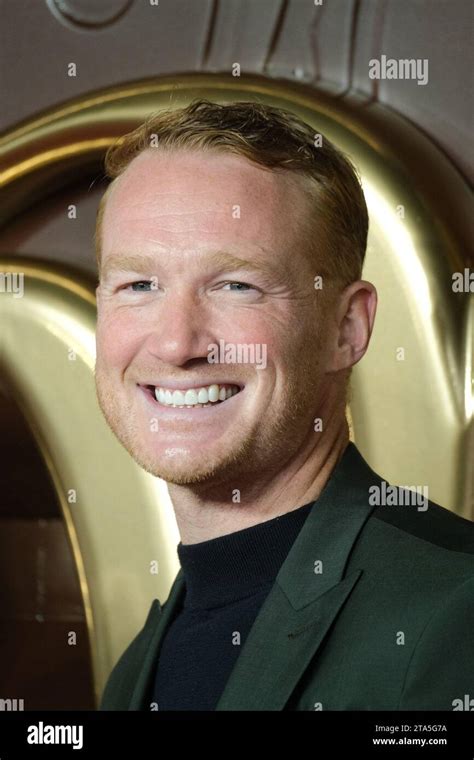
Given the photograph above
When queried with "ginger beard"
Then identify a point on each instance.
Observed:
(260, 439)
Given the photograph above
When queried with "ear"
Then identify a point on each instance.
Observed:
(354, 323)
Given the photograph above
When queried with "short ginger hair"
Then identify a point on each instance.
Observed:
(278, 140)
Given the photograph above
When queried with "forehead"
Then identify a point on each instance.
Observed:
(175, 197)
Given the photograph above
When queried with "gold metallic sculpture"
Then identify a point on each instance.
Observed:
(119, 519)
(410, 416)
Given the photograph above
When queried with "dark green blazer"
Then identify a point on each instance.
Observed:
(373, 609)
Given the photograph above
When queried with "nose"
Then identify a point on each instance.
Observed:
(180, 330)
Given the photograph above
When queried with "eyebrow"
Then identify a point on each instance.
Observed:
(131, 262)
(219, 259)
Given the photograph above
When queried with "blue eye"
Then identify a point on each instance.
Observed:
(137, 286)
(241, 285)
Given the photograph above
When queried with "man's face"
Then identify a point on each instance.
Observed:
(189, 213)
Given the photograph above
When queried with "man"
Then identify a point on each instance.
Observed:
(231, 310)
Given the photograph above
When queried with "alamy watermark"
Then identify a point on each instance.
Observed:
(463, 282)
(237, 353)
(394, 496)
(464, 703)
(12, 282)
(12, 705)
(404, 68)
(47, 734)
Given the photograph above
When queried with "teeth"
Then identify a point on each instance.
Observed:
(213, 393)
(178, 398)
(202, 396)
(190, 398)
(195, 396)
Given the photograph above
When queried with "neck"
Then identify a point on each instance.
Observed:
(204, 512)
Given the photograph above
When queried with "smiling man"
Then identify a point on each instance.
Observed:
(231, 226)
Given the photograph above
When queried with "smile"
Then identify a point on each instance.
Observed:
(204, 396)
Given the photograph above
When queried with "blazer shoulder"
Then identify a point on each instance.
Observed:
(408, 509)
(432, 524)
(121, 681)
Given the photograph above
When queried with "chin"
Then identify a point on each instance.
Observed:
(173, 471)
(182, 466)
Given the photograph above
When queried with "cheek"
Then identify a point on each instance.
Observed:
(281, 338)
(116, 338)
(263, 329)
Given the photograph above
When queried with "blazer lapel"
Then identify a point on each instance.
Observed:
(308, 593)
(158, 621)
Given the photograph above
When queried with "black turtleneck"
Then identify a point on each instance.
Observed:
(227, 580)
